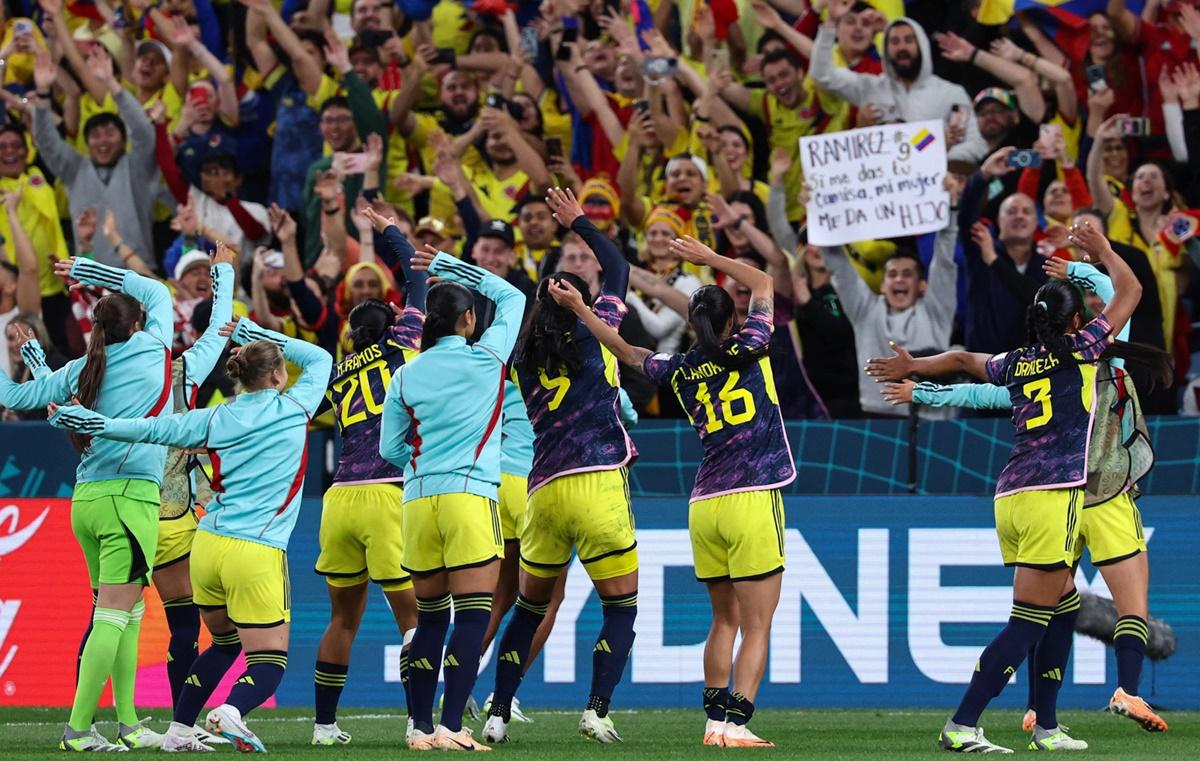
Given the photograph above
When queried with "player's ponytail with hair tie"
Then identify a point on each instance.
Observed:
(368, 322)
(113, 320)
(444, 304)
(710, 309)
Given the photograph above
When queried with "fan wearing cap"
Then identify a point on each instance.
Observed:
(193, 284)
(684, 194)
(494, 249)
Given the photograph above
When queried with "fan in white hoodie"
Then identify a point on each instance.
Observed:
(907, 91)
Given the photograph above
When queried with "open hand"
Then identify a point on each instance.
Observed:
(563, 205)
(691, 250)
(894, 368)
(898, 392)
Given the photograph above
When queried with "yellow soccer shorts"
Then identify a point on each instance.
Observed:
(737, 537)
(1111, 530)
(590, 512)
(362, 536)
(450, 532)
(248, 579)
(175, 536)
(1039, 528)
(514, 496)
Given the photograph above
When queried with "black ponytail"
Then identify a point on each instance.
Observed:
(710, 310)
(1050, 316)
(444, 304)
(547, 340)
(368, 321)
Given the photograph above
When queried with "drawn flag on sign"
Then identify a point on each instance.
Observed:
(923, 139)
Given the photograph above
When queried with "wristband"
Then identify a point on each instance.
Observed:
(974, 53)
(332, 211)
(41, 94)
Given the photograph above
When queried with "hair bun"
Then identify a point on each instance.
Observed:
(236, 366)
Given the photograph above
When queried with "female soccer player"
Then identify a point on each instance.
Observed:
(114, 510)
(578, 487)
(1110, 524)
(735, 518)
(361, 535)
(1051, 384)
(441, 422)
(258, 446)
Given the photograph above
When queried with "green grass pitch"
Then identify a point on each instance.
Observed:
(876, 735)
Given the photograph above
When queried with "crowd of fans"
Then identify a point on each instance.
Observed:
(140, 134)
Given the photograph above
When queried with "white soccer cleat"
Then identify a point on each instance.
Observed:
(444, 739)
(329, 734)
(139, 736)
(495, 730)
(514, 713)
(740, 736)
(599, 729)
(408, 729)
(208, 738)
(183, 741)
(88, 742)
(961, 739)
(1054, 739)
(226, 721)
(714, 733)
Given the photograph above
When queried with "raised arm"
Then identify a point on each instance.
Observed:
(761, 284)
(29, 293)
(398, 253)
(1022, 80)
(1101, 195)
(185, 431)
(313, 361)
(1128, 290)
(304, 65)
(154, 296)
(854, 294)
(941, 296)
(501, 335)
(567, 211)
(836, 80)
(37, 393)
(566, 296)
(902, 364)
(201, 357)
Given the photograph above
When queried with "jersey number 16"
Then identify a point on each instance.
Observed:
(728, 396)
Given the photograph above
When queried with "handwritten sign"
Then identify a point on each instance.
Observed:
(876, 182)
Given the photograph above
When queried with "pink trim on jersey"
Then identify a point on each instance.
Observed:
(591, 469)
(781, 484)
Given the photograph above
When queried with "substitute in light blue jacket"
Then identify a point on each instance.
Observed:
(441, 420)
(257, 442)
(136, 384)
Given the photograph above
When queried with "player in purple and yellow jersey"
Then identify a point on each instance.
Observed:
(1040, 492)
(361, 535)
(735, 518)
(578, 486)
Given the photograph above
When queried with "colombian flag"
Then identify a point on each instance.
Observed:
(922, 140)
(993, 12)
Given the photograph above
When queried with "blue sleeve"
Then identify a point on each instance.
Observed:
(201, 357)
(34, 358)
(400, 249)
(314, 362)
(210, 29)
(37, 393)
(629, 416)
(393, 431)
(186, 430)
(1087, 276)
(975, 396)
(154, 296)
(501, 336)
(616, 269)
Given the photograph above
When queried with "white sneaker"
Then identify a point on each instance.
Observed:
(595, 728)
(139, 736)
(495, 730)
(408, 729)
(90, 741)
(181, 739)
(714, 733)
(329, 734)
(740, 736)
(1054, 739)
(226, 721)
(208, 738)
(961, 739)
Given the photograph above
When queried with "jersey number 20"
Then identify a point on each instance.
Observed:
(361, 382)
(728, 396)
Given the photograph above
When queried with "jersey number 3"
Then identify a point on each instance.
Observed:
(1039, 391)
(729, 394)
